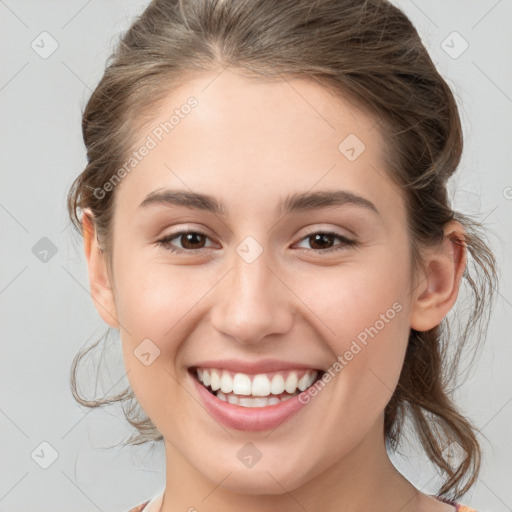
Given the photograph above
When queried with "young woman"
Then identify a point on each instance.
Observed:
(266, 223)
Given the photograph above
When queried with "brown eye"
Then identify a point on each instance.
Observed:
(322, 241)
(190, 241)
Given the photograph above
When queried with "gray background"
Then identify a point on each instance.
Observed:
(48, 314)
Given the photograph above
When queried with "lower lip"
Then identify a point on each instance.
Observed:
(248, 418)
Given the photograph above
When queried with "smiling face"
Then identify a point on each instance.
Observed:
(254, 283)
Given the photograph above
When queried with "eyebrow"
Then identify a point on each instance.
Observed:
(302, 201)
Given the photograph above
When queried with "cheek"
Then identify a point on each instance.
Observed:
(153, 298)
(160, 306)
(356, 301)
(153, 304)
(364, 313)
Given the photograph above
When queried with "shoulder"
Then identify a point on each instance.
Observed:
(140, 508)
(459, 507)
(153, 504)
(463, 508)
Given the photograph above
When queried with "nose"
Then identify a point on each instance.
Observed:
(252, 302)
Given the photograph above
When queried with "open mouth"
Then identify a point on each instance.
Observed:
(260, 390)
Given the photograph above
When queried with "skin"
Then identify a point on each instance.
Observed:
(249, 143)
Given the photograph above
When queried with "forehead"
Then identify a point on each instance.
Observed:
(252, 141)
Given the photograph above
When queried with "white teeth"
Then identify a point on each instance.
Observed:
(251, 402)
(277, 386)
(226, 383)
(260, 385)
(232, 399)
(304, 382)
(291, 382)
(214, 380)
(241, 384)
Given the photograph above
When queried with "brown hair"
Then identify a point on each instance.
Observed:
(364, 50)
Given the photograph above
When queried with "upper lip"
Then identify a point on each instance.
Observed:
(254, 367)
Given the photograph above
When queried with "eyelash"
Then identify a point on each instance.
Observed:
(164, 242)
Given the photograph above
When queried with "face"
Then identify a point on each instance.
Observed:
(323, 285)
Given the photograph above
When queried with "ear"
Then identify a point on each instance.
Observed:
(439, 286)
(99, 281)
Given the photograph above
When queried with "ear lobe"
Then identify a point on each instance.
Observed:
(99, 281)
(438, 291)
